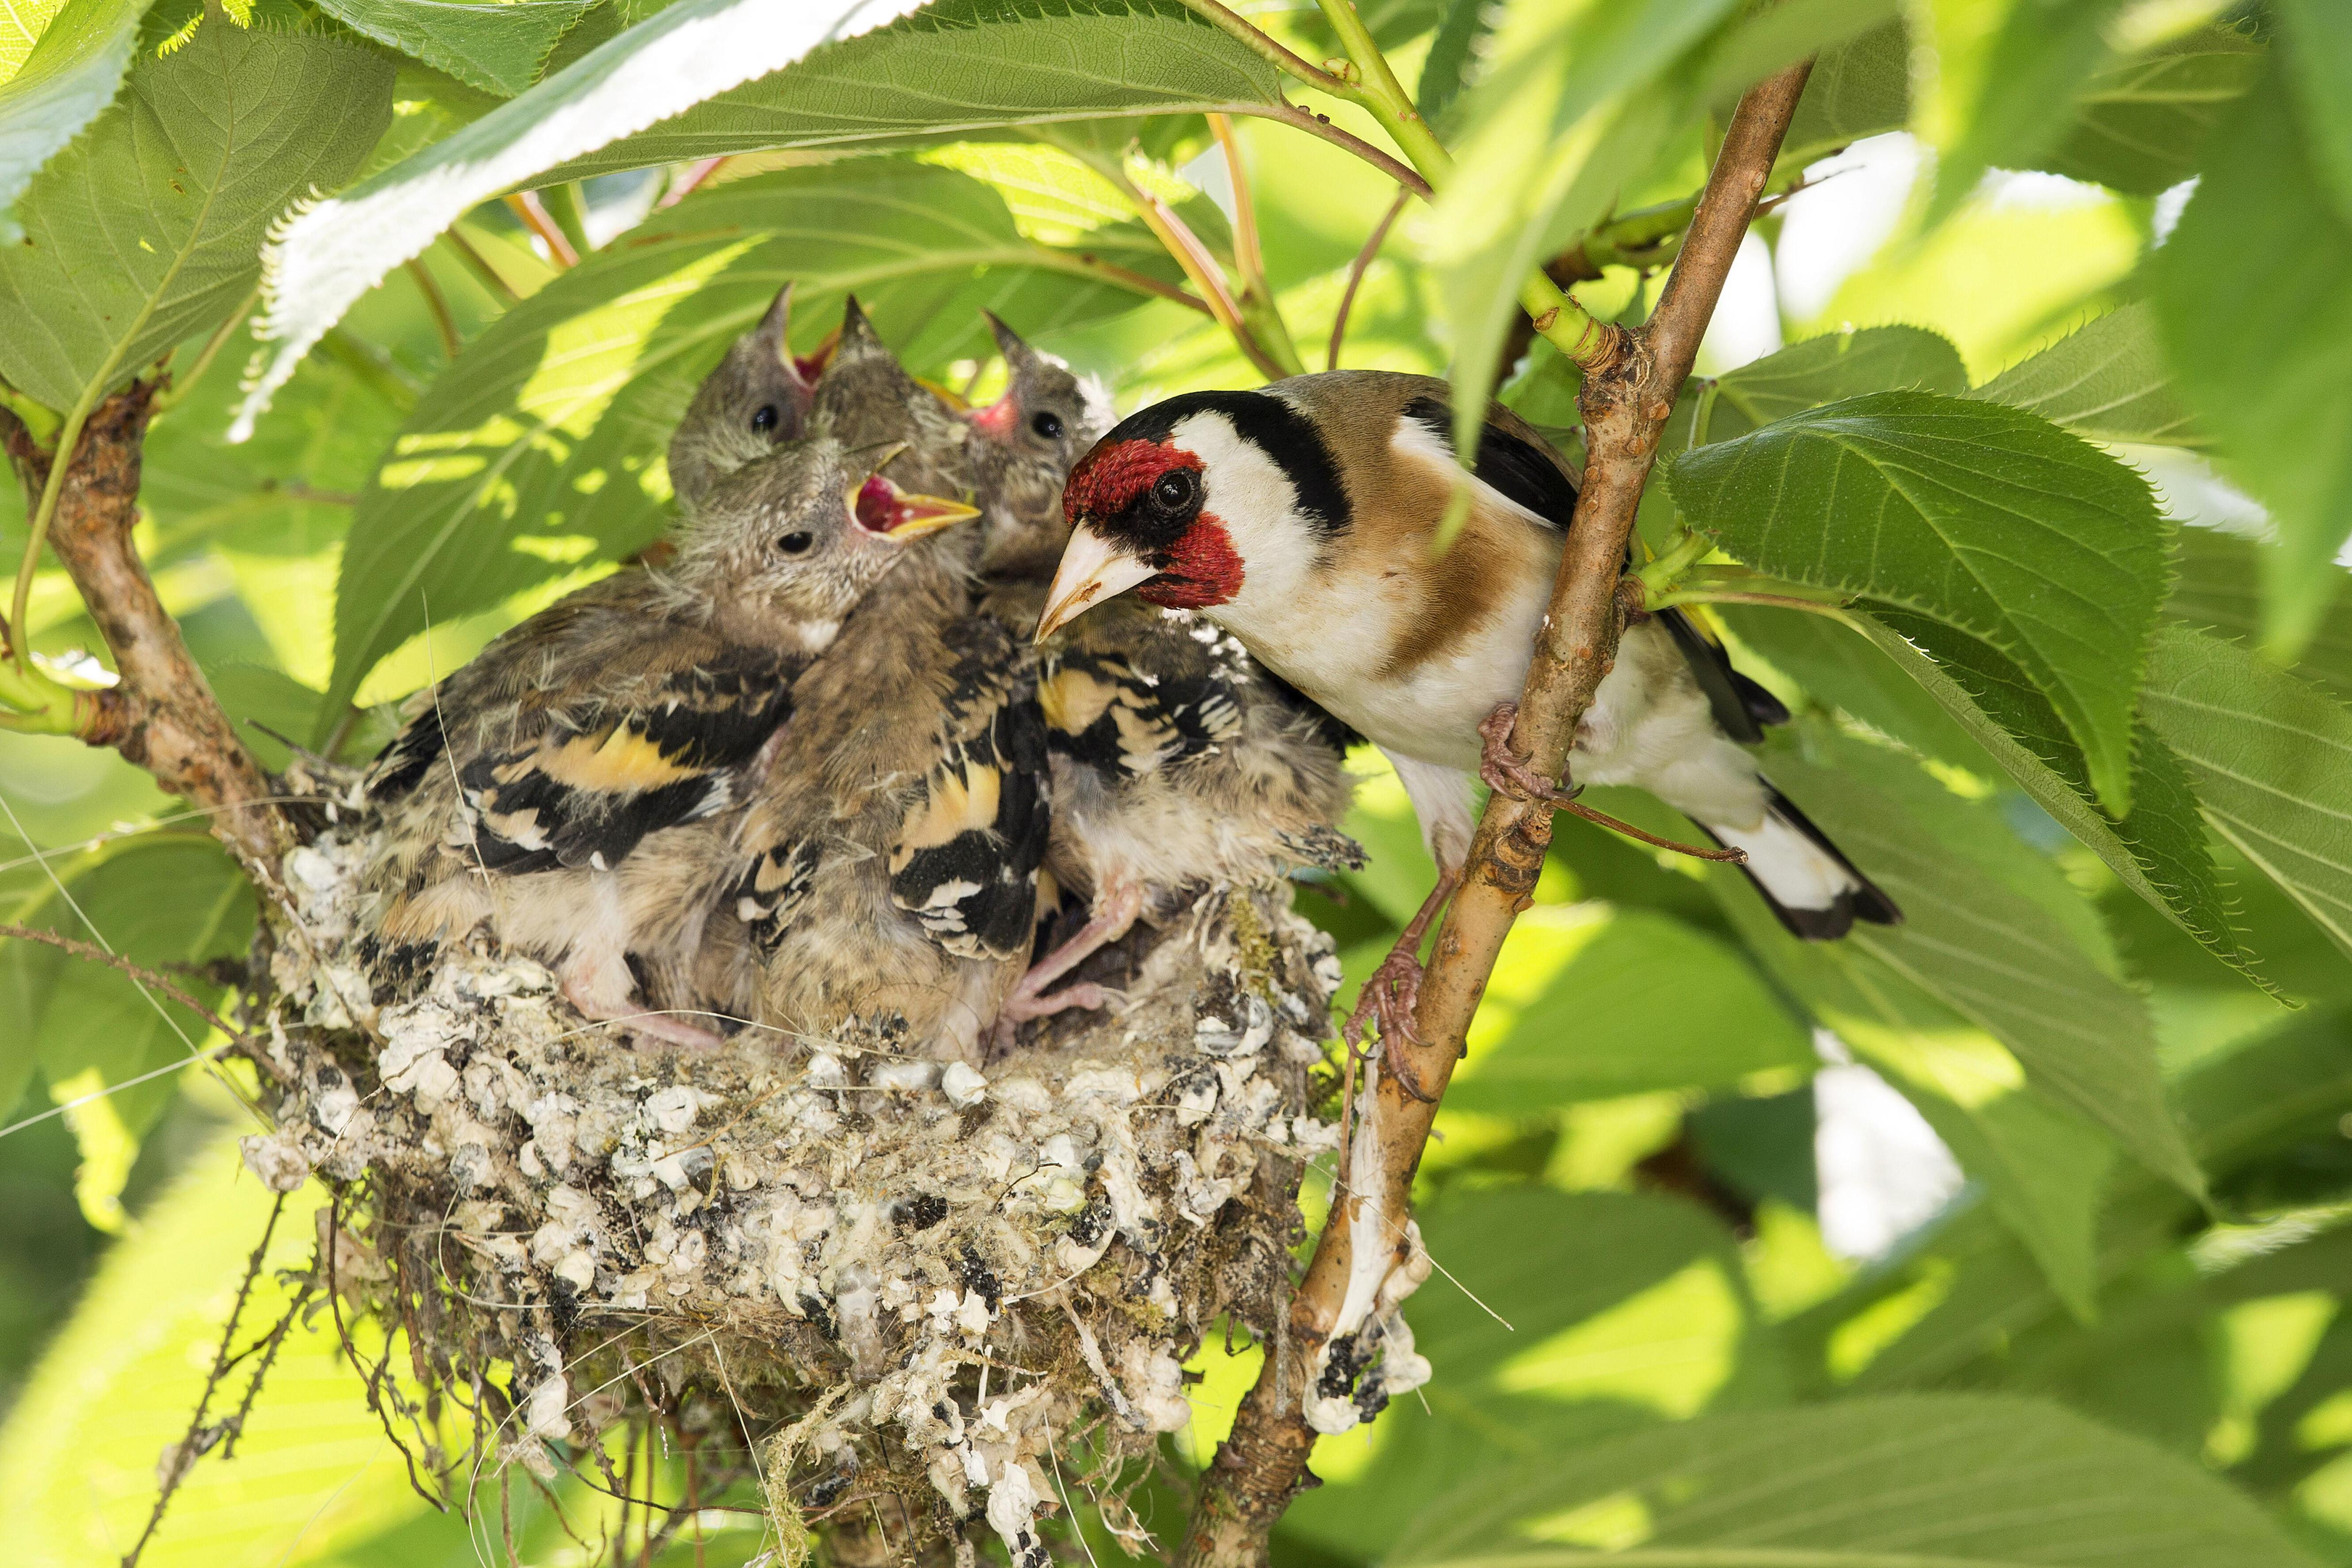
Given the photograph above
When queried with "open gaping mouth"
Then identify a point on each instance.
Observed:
(882, 508)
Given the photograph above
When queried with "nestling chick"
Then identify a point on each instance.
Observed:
(890, 855)
(757, 398)
(1019, 448)
(1177, 761)
(559, 787)
(1301, 518)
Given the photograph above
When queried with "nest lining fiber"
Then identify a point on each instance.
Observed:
(906, 1278)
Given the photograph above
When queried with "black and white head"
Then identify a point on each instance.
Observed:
(758, 397)
(1224, 502)
(802, 534)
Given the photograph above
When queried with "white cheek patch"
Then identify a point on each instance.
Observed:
(1247, 491)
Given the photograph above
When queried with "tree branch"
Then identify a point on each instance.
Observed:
(1625, 401)
(162, 715)
(90, 952)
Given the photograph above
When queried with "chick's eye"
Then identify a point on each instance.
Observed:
(1174, 490)
(796, 542)
(764, 420)
(1047, 424)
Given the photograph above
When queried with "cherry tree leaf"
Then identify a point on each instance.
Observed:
(1980, 516)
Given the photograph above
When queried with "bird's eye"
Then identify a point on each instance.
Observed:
(764, 420)
(1047, 424)
(1174, 490)
(796, 542)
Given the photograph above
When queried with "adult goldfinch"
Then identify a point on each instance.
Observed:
(758, 398)
(1177, 761)
(887, 881)
(1302, 518)
(561, 788)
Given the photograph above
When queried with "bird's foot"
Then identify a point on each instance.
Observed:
(1389, 998)
(595, 1003)
(1506, 771)
(1024, 1005)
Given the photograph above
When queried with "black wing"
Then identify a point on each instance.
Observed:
(598, 780)
(966, 856)
(1521, 469)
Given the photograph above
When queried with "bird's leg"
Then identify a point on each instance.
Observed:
(601, 992)
(1506, 772)
(1116, 909)
(1395, 990)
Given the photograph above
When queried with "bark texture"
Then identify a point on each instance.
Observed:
(162, 715)
(1625, 401)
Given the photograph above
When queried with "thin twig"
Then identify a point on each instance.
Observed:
(1201, 268)
(89, 953)
(526, 207)
(479, 265)
(271, 1343)
(1616, 824)
(1356, 272)
(443, 322)
(698, 173)
(1142, 282)
(1282, 59)
(1316, 125)
(183, 385)
(1249, 260)
(194, 1445)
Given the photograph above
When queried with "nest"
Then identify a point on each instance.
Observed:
(860, 1273)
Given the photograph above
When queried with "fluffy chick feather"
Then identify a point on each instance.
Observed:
(565, 786)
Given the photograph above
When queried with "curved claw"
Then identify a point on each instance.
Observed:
(1506, 771)
(1391, 996)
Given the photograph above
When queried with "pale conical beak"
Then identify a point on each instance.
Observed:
(1093, 570)
(900, 516)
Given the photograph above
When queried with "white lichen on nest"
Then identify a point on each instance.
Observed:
(948, 1271)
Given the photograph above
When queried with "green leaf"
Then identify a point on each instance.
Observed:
(312, 1473)
(1452, 56)
(1803, 375)
(70, 74)
(1987, 944)
(2105, 381)
(1901, 1011)
(2318, 53)
(498, 48)
(161, 905)
(2253, 293)
(1577, 100)
(144, 232)
(962, 65)
(2217, 584)
(2159, 851)
(1818, 652)
(1826, 369)
(2043, 1166)
(2271, 759)
(2140, 123)
(1949, 1481)
(1632, 1309)
(1982, 517)
(1856, 89)
(1779, 37)
(542, 446)
(2043, 53)
(1656, 1004)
